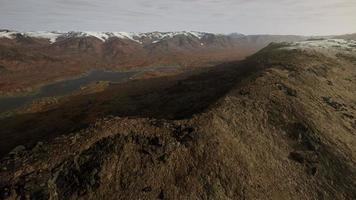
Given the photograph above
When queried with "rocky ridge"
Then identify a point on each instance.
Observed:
(283, 130)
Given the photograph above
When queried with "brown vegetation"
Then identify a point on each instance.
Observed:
(279, 125)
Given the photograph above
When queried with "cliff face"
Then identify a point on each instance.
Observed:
(281, 127)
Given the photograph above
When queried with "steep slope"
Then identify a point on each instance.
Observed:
(282, 128)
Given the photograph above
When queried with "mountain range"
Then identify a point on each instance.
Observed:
(51, 56)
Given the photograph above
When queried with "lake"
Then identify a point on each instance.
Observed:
(64, 88)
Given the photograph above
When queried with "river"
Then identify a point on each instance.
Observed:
(65, 87)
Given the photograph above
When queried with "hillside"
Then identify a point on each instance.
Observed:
(347, 36)
(278, 125)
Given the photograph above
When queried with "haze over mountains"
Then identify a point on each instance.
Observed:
(51, 56)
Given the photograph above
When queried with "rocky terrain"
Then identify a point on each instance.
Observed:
(279, 125)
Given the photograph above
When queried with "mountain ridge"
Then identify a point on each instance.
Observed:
(285, 117)
(103, 36)
(52, 36)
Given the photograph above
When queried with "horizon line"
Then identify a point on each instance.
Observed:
(209, 32)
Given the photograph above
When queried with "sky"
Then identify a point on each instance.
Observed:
(301, 17)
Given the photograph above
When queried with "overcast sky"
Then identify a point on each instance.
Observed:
(307, 17)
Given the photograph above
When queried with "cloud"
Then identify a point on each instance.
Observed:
(246, 16)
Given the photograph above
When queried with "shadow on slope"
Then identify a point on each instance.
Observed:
(176, 97)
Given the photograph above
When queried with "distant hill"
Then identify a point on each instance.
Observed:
(347, 36)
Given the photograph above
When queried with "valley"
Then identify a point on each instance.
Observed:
(80, 84)
(30, 60)
(226, 129)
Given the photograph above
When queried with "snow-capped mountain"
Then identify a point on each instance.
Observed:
(328, 47)
(53, 36)
(55, 55)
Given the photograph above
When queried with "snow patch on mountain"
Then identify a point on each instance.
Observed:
(158, 36)
(126, 35)
(103, 36)
(329, 47)
(51, 36)
(7, 34)
(198, 35)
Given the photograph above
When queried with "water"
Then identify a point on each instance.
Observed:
(64, 87)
